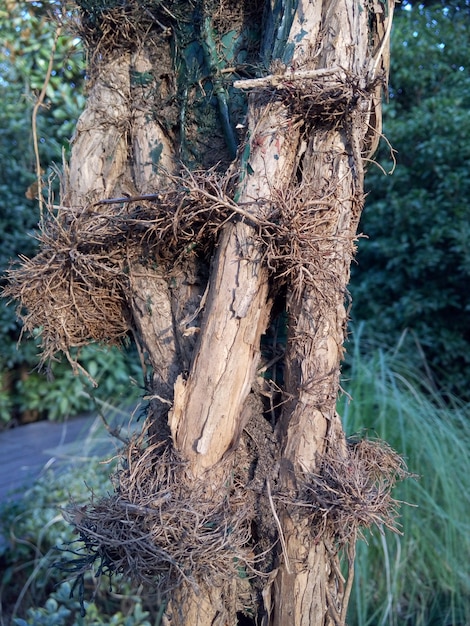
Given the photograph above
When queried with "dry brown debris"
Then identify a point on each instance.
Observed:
(160, 529)
(326, 103)
(75, 290)
(352, 491)
(109, 26)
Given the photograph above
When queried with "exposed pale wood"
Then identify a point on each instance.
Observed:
(207, 409)
(313, 593)
(274, 80)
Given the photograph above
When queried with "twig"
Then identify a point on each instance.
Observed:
(34, 116)
(375, 61)
(145, 509)
(279, 527)
(231, 205)
(157, 397)
(147, 196)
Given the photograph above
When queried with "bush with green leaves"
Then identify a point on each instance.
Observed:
(36, 537)
(63, 392)
(61, 609)
(27, 33)
(414, 268)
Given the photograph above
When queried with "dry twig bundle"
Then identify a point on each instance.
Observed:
(159, 529)
(352, 491)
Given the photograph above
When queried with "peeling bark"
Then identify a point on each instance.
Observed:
(309, 588)
(203, 334)
(205, 419)
(98, 163)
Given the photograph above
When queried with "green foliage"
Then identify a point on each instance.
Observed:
(414, 267)
(62, 392)
(27, 34)
(32, 588)
(420, 578)
(61, 609)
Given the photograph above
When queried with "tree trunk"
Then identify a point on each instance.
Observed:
(292, 200)
(309, 588)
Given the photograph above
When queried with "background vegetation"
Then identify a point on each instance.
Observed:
(412, 270)
(419, 578)
(32, 589)
(27, 35)
(411, 305)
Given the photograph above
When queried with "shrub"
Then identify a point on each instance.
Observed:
(33, 590)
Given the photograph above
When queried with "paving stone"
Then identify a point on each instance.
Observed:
(29, 450)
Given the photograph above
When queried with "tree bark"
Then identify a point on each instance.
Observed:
(309, 588)
(204, 373)
(205, 420)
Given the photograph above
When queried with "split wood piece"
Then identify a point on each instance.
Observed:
(277, 80)
(205, 420)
